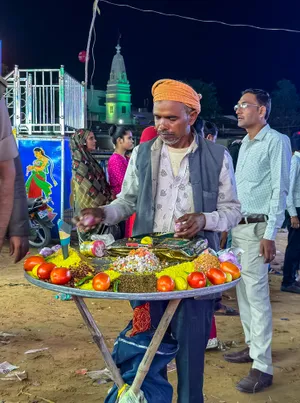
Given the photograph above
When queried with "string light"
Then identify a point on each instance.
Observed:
(295, 31)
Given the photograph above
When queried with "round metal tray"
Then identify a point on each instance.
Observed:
(199, 293)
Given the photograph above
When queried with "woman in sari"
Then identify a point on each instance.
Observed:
(36, 184)
(90, 185)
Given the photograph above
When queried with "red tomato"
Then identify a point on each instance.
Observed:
(216, 276)
(60, 275)
(44, 270)
(196, 279)
(101, 282)
(165, 284)
(32, 261)
(228, 267)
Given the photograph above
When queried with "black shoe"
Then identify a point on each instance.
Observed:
(255, 381)
(290, 288)
(240, 357)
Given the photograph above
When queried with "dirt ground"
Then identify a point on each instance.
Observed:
(35, 319)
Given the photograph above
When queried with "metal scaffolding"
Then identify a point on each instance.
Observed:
(44, 101)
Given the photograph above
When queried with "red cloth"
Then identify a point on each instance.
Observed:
(141, 319)
(148, 134)
(131, 224)
(213, 331)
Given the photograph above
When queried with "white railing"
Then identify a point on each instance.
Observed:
(47, 101)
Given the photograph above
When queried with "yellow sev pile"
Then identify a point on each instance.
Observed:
(73, 260)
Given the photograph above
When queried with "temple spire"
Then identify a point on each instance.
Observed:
(118, 96)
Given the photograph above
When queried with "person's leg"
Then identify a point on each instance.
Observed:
(291, 260)
(191, 327)
(254, 300)
(239, 240)
(256, 279)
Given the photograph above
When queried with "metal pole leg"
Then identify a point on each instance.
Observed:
(99, 340)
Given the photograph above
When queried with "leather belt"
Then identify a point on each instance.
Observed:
(254, 218)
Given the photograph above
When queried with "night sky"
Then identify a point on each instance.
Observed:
(46, 34)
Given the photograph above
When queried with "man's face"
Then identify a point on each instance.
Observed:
(172, 121)
(253, 114)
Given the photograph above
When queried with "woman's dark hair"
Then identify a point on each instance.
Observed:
(38, 149)
(263, 99)
(295, 143)
(210, 128)
(117, 132)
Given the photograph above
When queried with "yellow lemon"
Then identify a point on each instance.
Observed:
(87, 286)
(228, 277)
(147, 240)
(34, 270)
(181, 283)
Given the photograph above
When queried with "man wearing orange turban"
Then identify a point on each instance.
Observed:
(173, 90)
(180, 183)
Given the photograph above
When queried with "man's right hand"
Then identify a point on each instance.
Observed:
(295, 222)
(19, 247)
(89, 218)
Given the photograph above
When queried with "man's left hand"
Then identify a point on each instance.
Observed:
(268, 250)
(189, 225)
(18, 247)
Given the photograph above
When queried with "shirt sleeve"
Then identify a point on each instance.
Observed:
(228, 213)
(125, 204)
(294, 174)
(8, 146)
(280, 160)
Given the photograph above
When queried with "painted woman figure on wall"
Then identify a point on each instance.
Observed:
(37, 185)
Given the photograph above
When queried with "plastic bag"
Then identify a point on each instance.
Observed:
(129, 397)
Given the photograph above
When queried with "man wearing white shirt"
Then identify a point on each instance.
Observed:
(262, 176)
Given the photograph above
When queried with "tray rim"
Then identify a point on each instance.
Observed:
(211, 292)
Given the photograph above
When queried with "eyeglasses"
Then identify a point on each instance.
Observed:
(244, 105)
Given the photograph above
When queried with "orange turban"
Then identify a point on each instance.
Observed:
(172, 90)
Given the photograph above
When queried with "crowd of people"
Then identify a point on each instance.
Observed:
(178, 179)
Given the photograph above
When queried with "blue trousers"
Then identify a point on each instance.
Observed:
(191, 327)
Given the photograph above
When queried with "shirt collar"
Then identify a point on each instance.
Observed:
(260, 135)
(297, 153)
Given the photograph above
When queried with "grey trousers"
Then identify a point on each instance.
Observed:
(254, 295)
